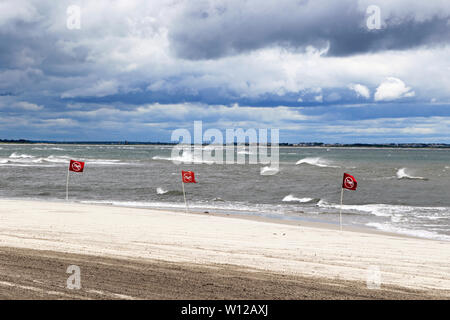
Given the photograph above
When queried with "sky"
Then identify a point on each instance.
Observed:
(348, 71)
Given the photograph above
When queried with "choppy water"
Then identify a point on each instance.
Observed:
(399, 190)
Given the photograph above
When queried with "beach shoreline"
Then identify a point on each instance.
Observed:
(258, 217)
(298, 250)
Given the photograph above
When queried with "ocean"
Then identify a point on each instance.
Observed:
(405, 191)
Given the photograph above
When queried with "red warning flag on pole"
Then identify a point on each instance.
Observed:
(76, 166)
(349, 182)
(188, 176)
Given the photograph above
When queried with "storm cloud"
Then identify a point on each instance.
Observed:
(214, 29)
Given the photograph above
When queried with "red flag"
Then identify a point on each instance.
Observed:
(188, 176)
(349, 182)
(76, 166)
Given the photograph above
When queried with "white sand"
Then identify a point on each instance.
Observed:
(172, 236)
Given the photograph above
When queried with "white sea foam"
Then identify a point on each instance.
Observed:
(402, 174)
(244, 151)
(291, 198)
(268, 171)
(161, 191)
(316, 161)
(411, 232)
(384, 210)
(213, 147)
(375, 209)
(58, 159)
(185, 157)
(25, 160)
(20, 156)
(105, 162)
(200, 205)
(48, 148)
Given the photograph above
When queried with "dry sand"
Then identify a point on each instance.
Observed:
(141, 253)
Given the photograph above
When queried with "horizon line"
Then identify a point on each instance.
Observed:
(306, 144)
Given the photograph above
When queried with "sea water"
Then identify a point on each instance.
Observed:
(404, 191)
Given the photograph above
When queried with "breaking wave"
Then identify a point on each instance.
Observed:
(291, 198)
(20, 156)
(316, 161)
(384, 210)
(268, 171)
(245, 151)
(185, 157)
(161, 191)
(26, 160)
(410, 232)
(216, 204)
(402, 174)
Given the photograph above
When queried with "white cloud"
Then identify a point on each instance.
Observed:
(10, 102)
(57, 123)
(181, 115)
(18, 10)
(361, 90)
(392, 126)
(393, 89)
(99, 89)
(27, 106)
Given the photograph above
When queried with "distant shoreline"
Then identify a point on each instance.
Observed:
(302, 144)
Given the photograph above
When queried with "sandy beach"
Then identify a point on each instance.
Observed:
(131, 253)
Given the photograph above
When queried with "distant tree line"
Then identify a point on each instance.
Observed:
(14, 141)
(281, 144)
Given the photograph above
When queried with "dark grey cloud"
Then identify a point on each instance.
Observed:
(407, 35)
(207, 31)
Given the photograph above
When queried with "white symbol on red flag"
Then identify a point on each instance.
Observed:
(76, 166)
(349, 182)
(188, 177)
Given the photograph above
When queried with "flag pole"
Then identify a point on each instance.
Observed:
(340, 209)
(184, 195)
(67, 185)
